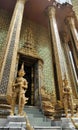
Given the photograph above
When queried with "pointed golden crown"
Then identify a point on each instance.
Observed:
(21, 72)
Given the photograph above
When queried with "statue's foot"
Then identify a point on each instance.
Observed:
(67, 116)
(21, 114)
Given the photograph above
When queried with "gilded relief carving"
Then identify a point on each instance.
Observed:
(47, 105)
(29, 48)
(30, 37)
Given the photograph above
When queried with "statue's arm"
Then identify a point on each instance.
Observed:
(15, 84)
(25, 84)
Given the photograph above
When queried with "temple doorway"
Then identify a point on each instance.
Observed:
(29, 67)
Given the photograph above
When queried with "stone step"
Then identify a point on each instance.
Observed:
(16, 118)
(56, 123)
(29, 115)
(36, 116)
(16, 124)
(67, 128)
(18, 121)
(35, 128)
(39, 118)
(39, 123)
(3, 121)
(47, 128)
(36, 119)
(39, 115)
(34, 112)
(67, 124)
(6, 128)
(29, 109)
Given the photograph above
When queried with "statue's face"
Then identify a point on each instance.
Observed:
(21, 73)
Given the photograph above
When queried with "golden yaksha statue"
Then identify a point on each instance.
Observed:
(19, 88)
(67, 97)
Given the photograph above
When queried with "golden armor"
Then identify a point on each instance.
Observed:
(18, 92)
(67, 97)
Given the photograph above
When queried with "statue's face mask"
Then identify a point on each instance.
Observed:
(21, 73)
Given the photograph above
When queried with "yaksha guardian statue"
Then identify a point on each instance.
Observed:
(19, 88)
(67, 97)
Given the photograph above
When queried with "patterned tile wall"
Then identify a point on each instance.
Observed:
(4, 25)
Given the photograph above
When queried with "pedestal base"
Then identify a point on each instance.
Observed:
(4, 107)
(16, 122)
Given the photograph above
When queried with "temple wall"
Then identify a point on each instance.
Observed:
(39, 36)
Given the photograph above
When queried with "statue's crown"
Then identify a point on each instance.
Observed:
(22, 66)
(21, 72)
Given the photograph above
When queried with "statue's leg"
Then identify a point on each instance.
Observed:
(71, 107)
(21, 105)
(66, 107)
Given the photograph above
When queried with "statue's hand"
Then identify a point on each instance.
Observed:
(17, 84)
(13, 89)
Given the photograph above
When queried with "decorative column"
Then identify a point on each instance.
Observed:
(8, 67)
(71, 73)
(74, 37)
(40, 79)
(40, 74)
(32, 87)
(71, 23)
(56, 45)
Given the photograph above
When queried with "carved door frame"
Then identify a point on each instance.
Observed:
(37, 77)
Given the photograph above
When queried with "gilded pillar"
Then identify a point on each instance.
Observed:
(8, 67)
(40, 74)
(71, 73)
(74, 31)
(41, 80)
(74, 38)
(56, 45)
